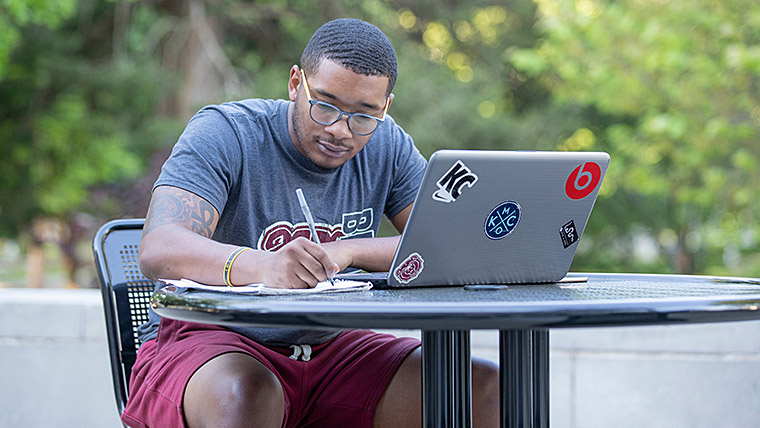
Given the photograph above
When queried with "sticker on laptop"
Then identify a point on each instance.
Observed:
(409, 269)
(569, 234)
(502, 220)
(583, 180)
(451, 184)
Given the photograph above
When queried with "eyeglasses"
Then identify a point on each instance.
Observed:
(326, 114)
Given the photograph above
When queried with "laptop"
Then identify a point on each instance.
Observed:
(495, 217)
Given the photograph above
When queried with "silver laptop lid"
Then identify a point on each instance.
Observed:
(497, 217)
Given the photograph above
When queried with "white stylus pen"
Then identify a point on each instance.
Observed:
(309, 220)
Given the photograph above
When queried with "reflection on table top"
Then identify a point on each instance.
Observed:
(605, 299)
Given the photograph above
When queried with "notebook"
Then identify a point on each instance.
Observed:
(495, 217)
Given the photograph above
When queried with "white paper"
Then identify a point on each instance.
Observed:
(341, 286)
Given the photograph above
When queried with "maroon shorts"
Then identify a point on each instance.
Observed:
(340, 386)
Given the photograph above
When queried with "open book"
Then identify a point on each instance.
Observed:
(341, 286)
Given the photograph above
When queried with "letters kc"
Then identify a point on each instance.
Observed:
(451, 184)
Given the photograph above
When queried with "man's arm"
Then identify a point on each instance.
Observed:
(400, 219)
(177, 225)
(176, 243)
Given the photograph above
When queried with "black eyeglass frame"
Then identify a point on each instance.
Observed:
(313, 102)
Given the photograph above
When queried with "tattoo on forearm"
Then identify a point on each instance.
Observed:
(181, 208)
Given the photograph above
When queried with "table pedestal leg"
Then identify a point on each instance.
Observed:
(462, 366)
(436, 387)
(540, 378)
(446, 379)
(524, 368)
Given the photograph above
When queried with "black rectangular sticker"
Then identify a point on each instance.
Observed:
(569, 234)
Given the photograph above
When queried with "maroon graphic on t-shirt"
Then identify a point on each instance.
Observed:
(279, 234)
(409, 269)
(356, 224)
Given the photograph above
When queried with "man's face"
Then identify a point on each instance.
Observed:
(330, 146)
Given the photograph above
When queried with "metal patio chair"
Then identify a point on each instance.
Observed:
(126, 296)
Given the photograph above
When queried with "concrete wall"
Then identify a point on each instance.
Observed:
(54, 369)
(54, 360)
(702, 375)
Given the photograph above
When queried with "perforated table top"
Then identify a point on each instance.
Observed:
(603, 300)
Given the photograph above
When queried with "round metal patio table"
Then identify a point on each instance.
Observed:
(522, 313)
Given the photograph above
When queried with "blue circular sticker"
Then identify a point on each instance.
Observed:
(503, 220)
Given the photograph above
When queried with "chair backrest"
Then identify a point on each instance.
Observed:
(126, 296)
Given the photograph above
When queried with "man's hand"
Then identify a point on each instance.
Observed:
(299, 264)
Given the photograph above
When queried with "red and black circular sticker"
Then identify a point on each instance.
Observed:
(583, 180)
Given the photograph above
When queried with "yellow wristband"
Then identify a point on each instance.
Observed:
(230, 261)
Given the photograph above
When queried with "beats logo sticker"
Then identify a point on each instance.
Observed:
(583, 180)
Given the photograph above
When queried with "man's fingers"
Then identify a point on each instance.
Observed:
(318, 261)
(306, 263)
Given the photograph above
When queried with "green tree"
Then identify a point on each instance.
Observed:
(77, 115)
(459, 88)
(18, 14)
(74, 115)
(680, 79)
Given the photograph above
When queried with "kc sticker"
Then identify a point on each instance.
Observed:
(583, 180)
(569, 234)
(451, 184)
(409, 269)
(502, 220)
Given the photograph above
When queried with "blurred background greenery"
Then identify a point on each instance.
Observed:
(93, 94)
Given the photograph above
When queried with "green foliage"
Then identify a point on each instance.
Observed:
(457, 88)
(72, 120)
(17, 14)
(681, 79)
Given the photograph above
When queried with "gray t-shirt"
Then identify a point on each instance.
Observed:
(240, 158)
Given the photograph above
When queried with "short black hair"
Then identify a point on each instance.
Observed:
(354, 44)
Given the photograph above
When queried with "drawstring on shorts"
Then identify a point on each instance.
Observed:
(302, 352)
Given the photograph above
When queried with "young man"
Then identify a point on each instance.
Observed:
(224, 211)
